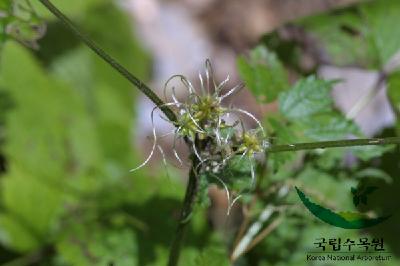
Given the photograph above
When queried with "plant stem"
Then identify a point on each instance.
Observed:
(186, 213)
(111, 61)
(333, 144)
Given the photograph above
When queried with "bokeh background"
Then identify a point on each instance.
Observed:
(71, 128)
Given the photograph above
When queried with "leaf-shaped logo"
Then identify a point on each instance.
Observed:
(347, 220)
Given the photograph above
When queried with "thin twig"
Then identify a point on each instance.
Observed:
(333, 144)
(244, 242)
(111, 61)
(264, 233)
(253, 230)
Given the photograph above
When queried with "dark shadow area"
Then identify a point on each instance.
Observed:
(386, 199)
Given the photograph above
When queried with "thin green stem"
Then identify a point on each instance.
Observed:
(333, 144)
(111, 61)
(186, 213)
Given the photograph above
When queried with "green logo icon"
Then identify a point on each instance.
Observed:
(347, 220)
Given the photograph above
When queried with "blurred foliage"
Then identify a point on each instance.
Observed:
(67, 197)
(67, 130)
(362, 35)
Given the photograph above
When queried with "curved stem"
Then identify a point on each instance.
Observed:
(333, 144)
(186, 213)
(111, 61)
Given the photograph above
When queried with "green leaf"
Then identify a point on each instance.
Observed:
(15, 235)
(49, 138)
(307, 97)
(329, 126)
(96, 81)
(362, 35)
(282, 132)
(366, 153)
(328, 187)
(41, 143)
(263, 74)
(69, 135)
(5, 5)
(343, 35)
(99, 246)
(212, 256)
(381, 16)
(32, 208)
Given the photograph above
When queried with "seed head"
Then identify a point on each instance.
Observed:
(202, 123)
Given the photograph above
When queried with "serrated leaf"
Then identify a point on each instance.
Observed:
(307, 97)
(263, 74)
(330, 126)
